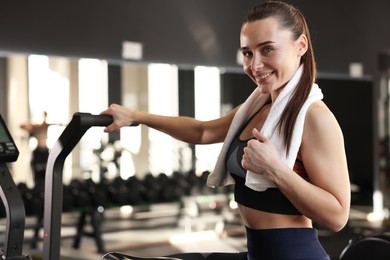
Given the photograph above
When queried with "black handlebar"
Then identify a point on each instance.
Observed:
(87, 119)
(76, 128)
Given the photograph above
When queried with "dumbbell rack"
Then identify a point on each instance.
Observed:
(72, 134)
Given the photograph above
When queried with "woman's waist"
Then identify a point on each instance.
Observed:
(257, 219)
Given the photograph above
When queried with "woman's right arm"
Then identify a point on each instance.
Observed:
(186, 129)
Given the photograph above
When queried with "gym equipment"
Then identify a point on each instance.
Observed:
(12, 200)
(367, 247)
(120, 256)
(184, 256)
(53, 195)
(53, 203)
(8, 150)
(76, 128)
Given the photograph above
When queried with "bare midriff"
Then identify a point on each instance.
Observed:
(256, 219)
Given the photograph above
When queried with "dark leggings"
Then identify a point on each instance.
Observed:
(285, 243)
(211, 256)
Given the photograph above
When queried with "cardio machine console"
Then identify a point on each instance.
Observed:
(8, 150)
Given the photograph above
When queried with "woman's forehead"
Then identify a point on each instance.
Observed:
(262, 30)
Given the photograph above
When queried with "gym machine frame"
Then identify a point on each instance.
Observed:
(76, 128)
(12, 200)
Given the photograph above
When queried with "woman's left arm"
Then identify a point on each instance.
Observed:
(326, 197)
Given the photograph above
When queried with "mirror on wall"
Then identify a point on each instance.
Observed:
(61, 86)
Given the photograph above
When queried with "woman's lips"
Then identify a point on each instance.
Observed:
(263, 76)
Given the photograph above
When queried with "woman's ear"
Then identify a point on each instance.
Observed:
(302, 45)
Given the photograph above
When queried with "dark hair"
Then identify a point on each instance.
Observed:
(292, 19)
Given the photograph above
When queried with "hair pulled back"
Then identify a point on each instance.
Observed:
(290, 18)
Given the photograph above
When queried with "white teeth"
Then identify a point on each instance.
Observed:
(266, 75)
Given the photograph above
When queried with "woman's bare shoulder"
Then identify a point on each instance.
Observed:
(321, 120)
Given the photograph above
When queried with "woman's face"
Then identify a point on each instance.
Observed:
(270, 55)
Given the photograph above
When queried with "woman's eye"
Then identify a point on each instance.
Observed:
(267, 49)
(246, 54)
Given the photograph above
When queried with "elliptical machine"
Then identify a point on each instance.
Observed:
(76, 128)
(12, 200)
(373, 246)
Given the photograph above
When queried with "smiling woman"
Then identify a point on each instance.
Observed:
(264, 50)
(283, 148)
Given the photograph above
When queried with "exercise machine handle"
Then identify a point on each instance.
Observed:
(87, 119)
(71, 135)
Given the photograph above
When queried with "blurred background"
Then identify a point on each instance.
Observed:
(175, 57)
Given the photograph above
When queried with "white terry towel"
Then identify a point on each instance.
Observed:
(260, 182)
(255, 101)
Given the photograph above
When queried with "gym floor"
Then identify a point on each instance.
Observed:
(161, 231)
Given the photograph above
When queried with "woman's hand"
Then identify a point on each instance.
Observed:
(122, 116)
(260, 156)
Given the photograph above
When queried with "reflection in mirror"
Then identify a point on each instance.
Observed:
(154, 88)
(207, 107)
(93, 98)
(162, 100)
(62, 86)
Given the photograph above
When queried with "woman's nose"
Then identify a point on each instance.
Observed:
(257, 63)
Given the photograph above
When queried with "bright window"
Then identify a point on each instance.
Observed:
(48, 92)
(207, 107)
(93, 98)
(162, 100)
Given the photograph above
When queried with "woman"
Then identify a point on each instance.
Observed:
(283, 148)
(41, 152)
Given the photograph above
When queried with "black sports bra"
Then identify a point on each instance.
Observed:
(271, 200)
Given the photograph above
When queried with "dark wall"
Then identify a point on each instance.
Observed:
(236, 87)
(194, 32)
(173, 31)
(115, 93)
(3, 92)
(357, 120)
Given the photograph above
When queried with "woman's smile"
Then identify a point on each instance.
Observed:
(263, 76)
